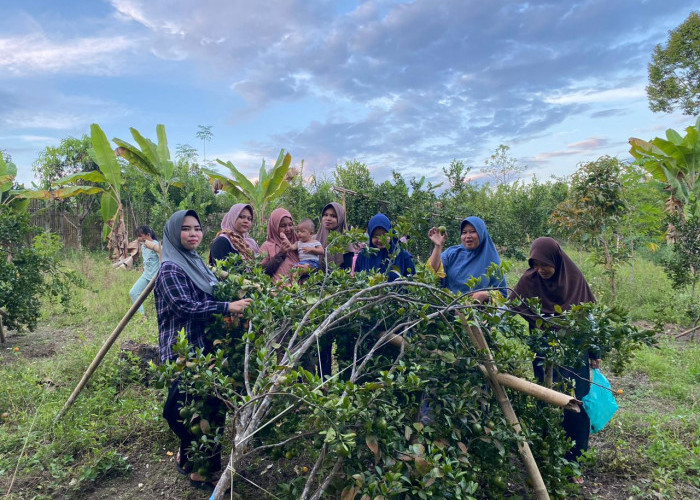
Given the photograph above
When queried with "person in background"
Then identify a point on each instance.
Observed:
(557, 282)
(183, 294)
(308, 247)
(390, 259)
(280, 249)
(333, 221)
(234, 236)
(460, 263)
(150, 253)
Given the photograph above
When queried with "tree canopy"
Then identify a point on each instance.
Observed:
(674, 73)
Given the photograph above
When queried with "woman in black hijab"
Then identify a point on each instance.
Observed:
(557, 282)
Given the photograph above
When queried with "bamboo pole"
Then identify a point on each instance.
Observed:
(477, 338)
(105, 348)
(537, 391)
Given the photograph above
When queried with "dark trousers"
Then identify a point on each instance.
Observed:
(576, 425)
(214, 409)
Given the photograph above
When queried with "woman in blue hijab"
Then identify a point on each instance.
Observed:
(393, 261)
(460, 263)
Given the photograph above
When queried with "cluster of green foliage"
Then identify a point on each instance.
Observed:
(674, 73)
(593, 214)
(29, 271)
(375, 440)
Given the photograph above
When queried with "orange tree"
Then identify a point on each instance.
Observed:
(413, 421)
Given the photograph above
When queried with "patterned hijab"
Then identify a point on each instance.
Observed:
(243, 243)
(273, 245)
(566, 288)
(322, 234)
(188, 260)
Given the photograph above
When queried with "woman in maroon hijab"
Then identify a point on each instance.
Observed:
(555, 280)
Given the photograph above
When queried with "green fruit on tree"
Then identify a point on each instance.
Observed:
(477, 428)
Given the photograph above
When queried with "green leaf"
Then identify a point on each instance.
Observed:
(148, 149)
(135, 157)
(93, 176)
(108, 206)
(105, 158)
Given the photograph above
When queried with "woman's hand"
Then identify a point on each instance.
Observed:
(238, 306)
(595, 363)
(437, 237)
(286, 245)
(482, 296)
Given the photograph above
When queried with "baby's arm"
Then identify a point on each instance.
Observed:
(317, 250)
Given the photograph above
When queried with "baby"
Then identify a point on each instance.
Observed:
(309, 248)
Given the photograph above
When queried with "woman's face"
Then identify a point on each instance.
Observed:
(329, 219)
(469, 237)
(544, 270)
(287, 227)
(378, 237)
(244, 221)
(190, 233)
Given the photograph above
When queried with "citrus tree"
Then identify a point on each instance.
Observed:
(406, 414)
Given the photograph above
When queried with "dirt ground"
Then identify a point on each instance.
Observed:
(154, 475)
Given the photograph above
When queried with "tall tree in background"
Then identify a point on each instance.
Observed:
(674, 73)
(205, 134)
(71, 156)
(594, 212)
(502, 167)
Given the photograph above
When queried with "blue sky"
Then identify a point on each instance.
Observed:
(403, 86)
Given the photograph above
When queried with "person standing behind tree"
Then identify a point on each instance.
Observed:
(150, 253)
(557, 282)
(460, 263)
(390, 259)
(183, 294)
(280, 247)
(234, 236)
(333, 221)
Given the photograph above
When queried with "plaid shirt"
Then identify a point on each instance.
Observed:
(180, 304)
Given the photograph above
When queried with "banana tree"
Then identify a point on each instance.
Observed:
(151, 159)
(263, 192)
(675, 162)
(107, 181)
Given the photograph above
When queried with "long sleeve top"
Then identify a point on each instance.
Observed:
(180, 304)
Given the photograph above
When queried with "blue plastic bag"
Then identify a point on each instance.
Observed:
(599, 403)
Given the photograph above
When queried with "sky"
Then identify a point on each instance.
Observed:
(397, 85)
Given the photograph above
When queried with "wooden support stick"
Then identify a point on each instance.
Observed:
(477, 338)
(2, 331)
(537, 391)
(107, 345)
(690, 330)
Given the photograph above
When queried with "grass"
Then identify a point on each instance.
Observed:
(650, 450)
(110, 419)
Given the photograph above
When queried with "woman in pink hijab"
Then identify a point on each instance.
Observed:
(280, 246)
(234, 236)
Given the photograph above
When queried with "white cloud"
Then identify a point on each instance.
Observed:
(36, 54)
(587, 96)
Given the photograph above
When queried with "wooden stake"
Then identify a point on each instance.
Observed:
(477, 338)
(2, 330)
(105, 348)
(537, 391)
